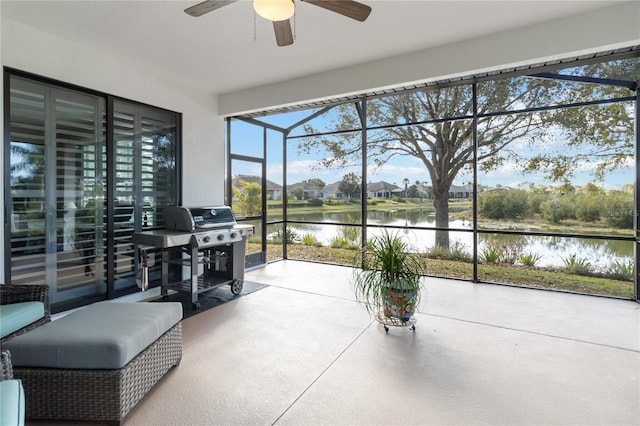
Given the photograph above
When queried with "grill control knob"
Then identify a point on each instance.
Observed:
(220, 237)
(232, 235)
(206, 239)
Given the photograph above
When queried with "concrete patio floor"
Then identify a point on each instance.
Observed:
(303, 352)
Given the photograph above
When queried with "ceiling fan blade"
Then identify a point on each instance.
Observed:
(284, 36)
(207, 6)
(349, 8)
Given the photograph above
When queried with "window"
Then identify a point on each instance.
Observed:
(73, 198)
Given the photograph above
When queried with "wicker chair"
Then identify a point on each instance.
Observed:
(15, 293)
(6, 369)
(12, 403)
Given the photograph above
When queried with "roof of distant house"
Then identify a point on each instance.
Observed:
(377, 186)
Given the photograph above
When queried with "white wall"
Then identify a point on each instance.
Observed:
(30, 50)
(614, 26)
(36, 52)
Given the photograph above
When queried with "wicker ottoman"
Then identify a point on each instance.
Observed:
(94, 372)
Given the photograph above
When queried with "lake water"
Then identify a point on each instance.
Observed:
(601, 253)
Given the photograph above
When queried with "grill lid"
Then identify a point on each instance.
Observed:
(179, 218)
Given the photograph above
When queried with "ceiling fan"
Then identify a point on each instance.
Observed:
(279, 12)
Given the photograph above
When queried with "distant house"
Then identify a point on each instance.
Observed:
(309, 190)
(332, 191)
(398, 192)
(383, 189)
(274, 190)
(379, 190)
(465, 191)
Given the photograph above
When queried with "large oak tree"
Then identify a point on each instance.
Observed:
(437, 125)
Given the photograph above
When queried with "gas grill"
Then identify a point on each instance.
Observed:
(212, 245)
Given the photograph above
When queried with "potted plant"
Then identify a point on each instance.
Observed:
(389, 281)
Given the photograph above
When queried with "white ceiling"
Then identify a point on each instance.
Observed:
(217, 51)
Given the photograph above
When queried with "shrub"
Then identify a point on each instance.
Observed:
(309, 240)
(456, 252)
(557, 210)
(340, 242)
(588, 208)
(507, 248)
(620, 270)
(351, 234)
(315, 202)
(290, 237)
(503, 250)
(248, 195)
(490, 254)
(576, 265)
(510, 251)
(503, 204)
(534, 201)
(618, 210)
(530, 259)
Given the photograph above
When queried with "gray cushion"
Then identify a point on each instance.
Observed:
(105, 335)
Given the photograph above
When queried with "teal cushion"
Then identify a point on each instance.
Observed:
(11, 402)
(105, 335)
(14, 316)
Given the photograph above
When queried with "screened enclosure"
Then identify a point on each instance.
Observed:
(519, 178)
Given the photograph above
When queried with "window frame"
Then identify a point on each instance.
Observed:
(112, 290)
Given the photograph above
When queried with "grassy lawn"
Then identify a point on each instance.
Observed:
(555, 280)
(548, 278)
(378, 205)
(506, 274)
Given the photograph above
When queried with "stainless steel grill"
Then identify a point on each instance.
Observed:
(178, 218)
(213, 248)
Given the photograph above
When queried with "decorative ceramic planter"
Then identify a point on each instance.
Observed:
(399, 303)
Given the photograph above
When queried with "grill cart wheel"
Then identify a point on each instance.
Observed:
(236, 287)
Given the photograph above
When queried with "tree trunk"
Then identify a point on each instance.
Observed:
(441, 204)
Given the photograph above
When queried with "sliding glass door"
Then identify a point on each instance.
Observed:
(83, 171)
(145, 178)
(57, 165)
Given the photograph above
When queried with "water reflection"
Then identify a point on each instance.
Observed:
(600, 252)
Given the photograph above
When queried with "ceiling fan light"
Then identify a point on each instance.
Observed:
(274, 10)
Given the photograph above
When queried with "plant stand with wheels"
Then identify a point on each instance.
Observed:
(395, 322)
